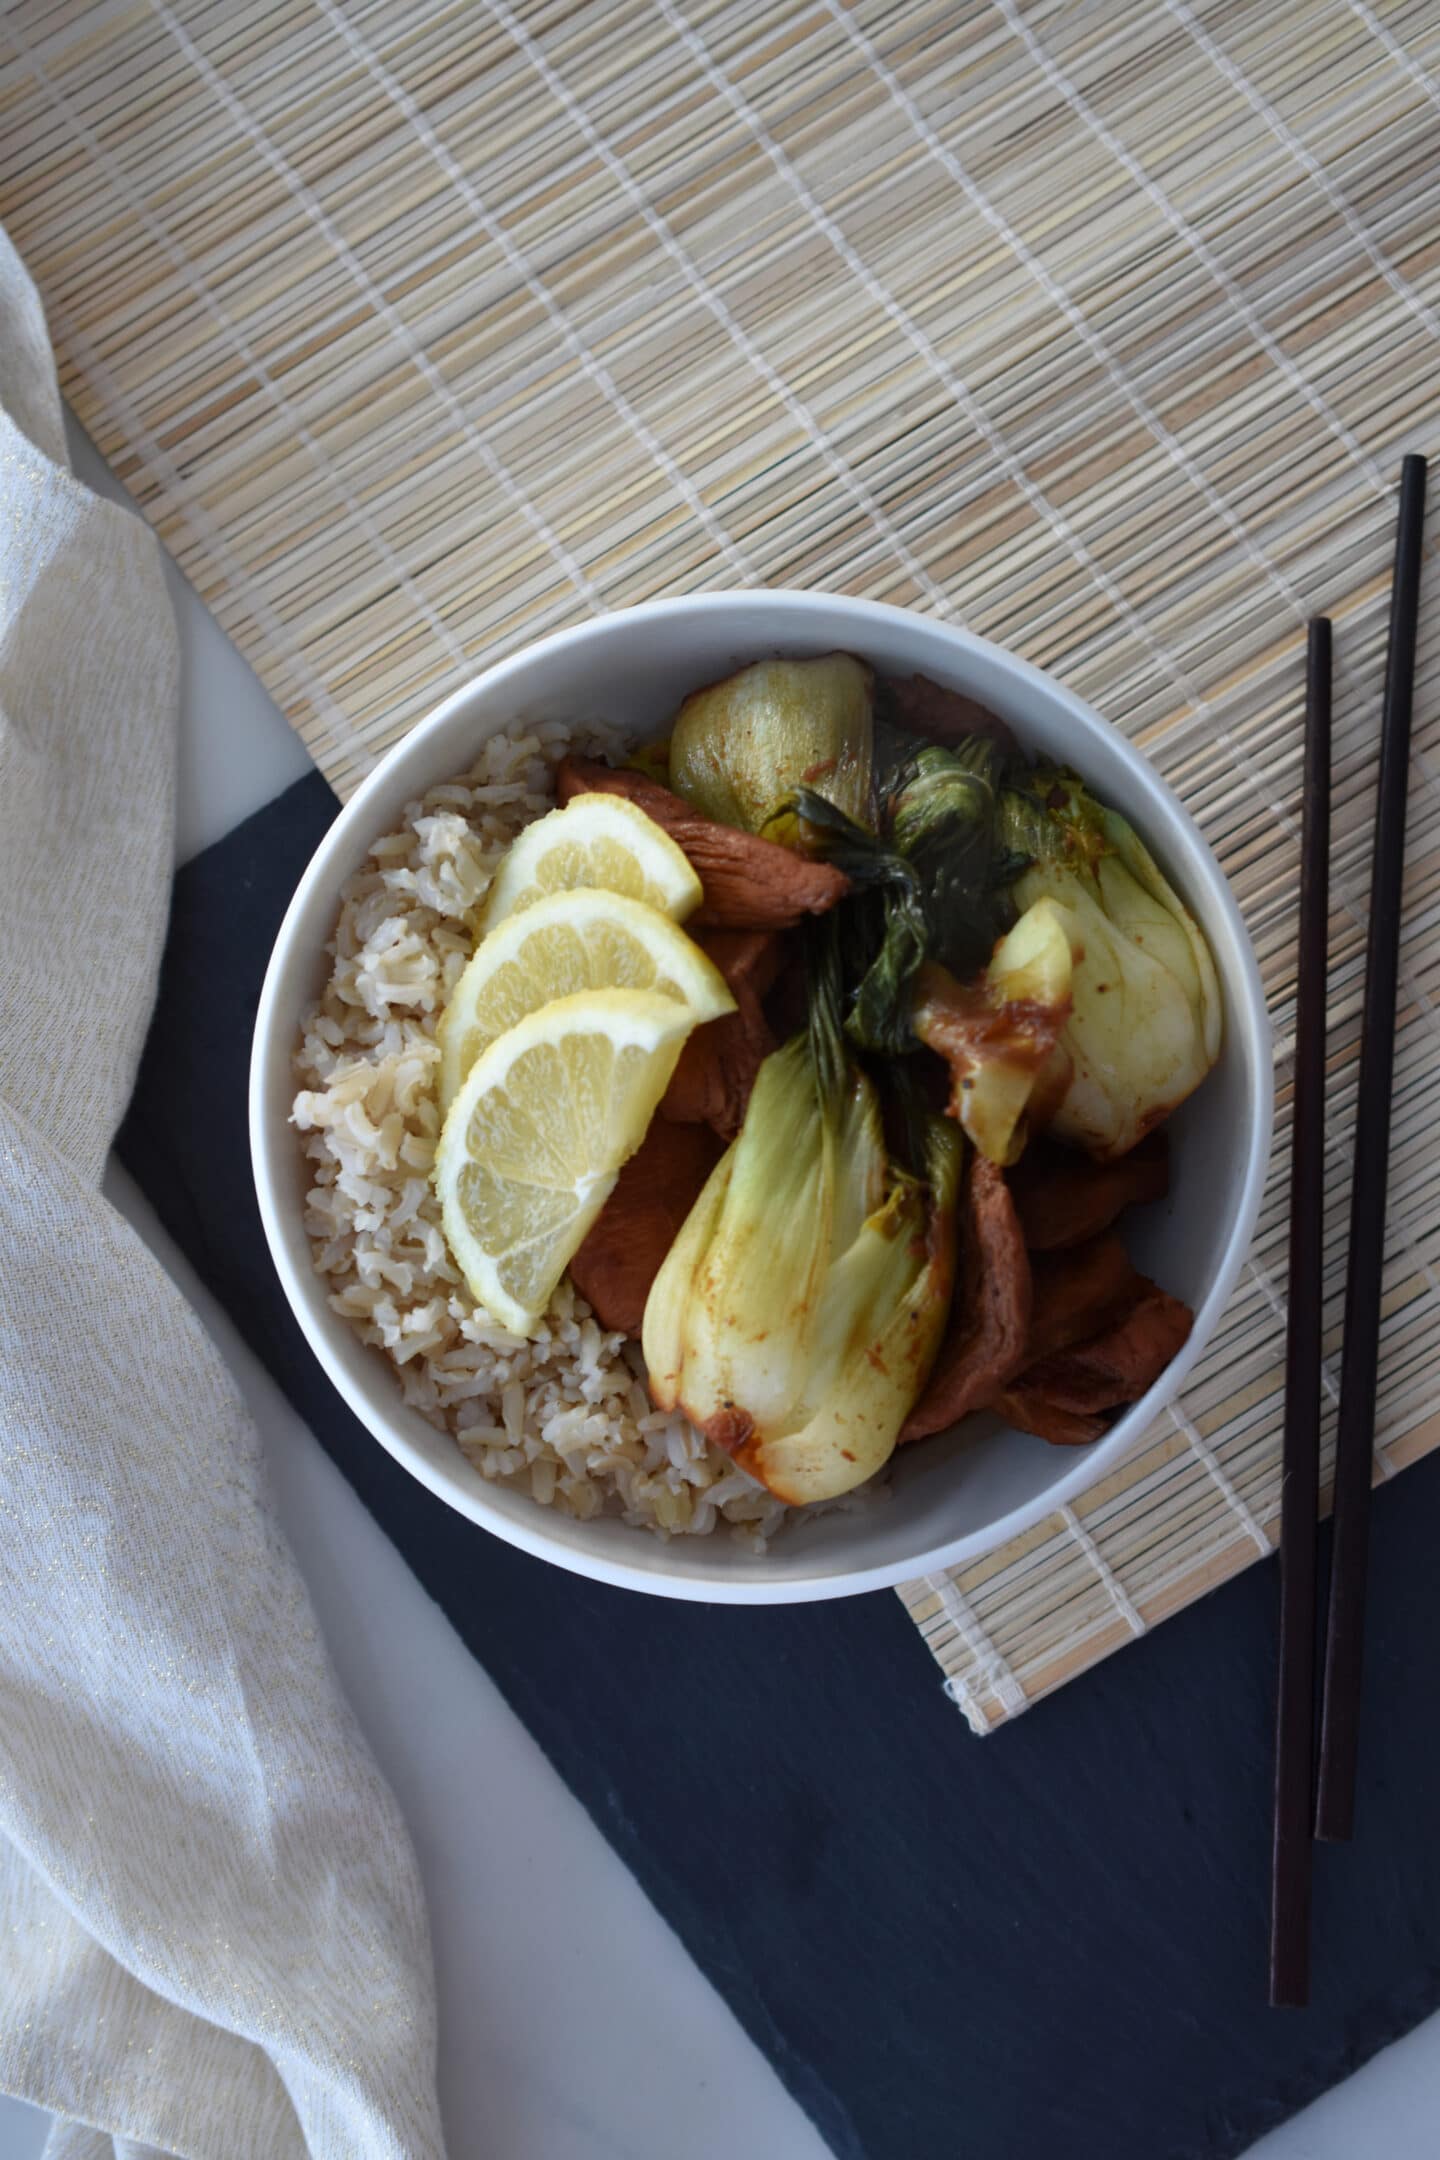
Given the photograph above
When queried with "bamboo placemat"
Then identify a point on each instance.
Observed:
(421, 329)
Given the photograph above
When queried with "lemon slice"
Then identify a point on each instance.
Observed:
(570, 941)
(534, 1141)
(595, 840)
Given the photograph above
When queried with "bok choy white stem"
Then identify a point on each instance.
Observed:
(1145, 1021)
(797, 1315)
(740, 747)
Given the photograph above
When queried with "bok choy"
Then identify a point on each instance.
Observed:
(998, 1033)
(1145, 1017)
(931, 882)
(796, 1316)
(739, 748)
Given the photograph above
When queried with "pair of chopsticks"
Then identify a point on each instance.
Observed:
(1296, 1782)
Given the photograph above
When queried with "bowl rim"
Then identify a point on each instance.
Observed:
(305, 1294)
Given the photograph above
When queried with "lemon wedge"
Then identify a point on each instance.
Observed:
(534, 1140)
(595, 840)
(567, 942)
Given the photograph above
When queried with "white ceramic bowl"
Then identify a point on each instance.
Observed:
(951, 1498)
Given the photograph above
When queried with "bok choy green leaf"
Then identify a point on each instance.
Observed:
(931, 883)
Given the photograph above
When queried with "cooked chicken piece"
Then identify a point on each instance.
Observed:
(750, 883)
(712, 1082)
(748, 959)
(924, 707)
(1078, 1293)
(1015, 1317)
(1070, 1398)
(1028, 1410)
(657, 1188)
(1119, 1365)
(1063, 1198)
(990, 1319)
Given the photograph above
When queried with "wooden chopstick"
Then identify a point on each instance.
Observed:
(1300, 1487)
(1355, 1437)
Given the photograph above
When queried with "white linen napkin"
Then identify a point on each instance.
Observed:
(212, 1936)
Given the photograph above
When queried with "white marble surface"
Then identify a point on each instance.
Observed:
(573, 2024)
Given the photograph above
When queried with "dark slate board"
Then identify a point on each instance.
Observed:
(1050, 1941)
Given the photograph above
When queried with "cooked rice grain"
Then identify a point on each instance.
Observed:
(566, 1417)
